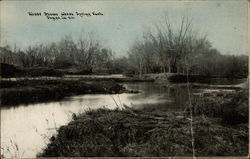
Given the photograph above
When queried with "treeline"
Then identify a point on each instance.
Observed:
(181, 50)
(163, 49)
(85, 54)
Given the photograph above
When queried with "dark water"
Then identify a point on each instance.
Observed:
(172, 97)
(25, 129)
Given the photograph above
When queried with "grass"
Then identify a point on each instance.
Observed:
(29, 91)
(8, 71)
(182, 78)
(151, 133)
(232, 107)
(127, 79)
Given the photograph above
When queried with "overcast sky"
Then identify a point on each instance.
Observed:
(224, 22)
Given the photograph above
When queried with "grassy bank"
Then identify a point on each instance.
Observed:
(9, 71)
(231, 107)
(28, 91)
(154, 132)
(192, 78)
(182, 78)
(114, 79)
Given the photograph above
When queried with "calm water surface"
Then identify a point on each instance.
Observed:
(26, 129)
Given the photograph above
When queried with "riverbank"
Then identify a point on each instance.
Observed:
(192, 78)
(11, 72)
(31, 91)
(156, 132)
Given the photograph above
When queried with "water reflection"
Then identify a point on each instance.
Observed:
(25, 129)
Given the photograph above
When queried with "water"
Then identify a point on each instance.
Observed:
(26, 129)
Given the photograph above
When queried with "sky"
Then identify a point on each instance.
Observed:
(223, 22)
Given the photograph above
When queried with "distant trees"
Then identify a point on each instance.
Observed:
(85, 54)
(166, 48)
(7, 56)
(181, 50)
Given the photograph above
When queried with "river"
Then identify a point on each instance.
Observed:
(26, 129)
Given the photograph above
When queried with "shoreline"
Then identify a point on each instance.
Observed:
(156, 132)
(35, 91)
(43, 89)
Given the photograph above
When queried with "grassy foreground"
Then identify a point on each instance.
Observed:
(28, 91)
(156, 132)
